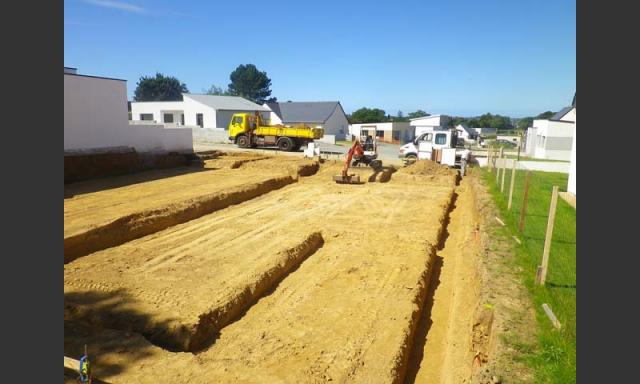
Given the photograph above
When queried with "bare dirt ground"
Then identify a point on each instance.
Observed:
(344, 287)
(310, 282)
(442, 353)
(103, 213)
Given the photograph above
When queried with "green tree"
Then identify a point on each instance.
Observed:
(159, 88)
(366, 115)
(247, 81)
(217, 91)
(524, 123)
(545, 115)
(418, 113)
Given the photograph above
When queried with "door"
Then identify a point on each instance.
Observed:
(425, 146)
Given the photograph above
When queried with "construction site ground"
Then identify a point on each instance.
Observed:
(299, 280)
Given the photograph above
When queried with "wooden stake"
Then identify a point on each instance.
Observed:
(500, 221)
(551, 316)
(549, 235)
(525, 198)
(513, 179)
(504, 163)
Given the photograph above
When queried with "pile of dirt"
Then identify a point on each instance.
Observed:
(428, 168)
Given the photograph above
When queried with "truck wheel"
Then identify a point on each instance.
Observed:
(285, 144)
(242, 141)
(410, 159)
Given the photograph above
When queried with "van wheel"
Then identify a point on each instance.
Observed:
(285, 144)
(242, 141)
(410, 159)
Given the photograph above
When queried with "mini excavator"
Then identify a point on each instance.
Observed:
(359, 153)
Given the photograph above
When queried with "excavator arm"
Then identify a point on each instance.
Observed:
(356, 151)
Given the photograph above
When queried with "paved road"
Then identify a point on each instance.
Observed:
(388, 153)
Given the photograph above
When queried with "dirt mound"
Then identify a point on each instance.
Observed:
(428, 168)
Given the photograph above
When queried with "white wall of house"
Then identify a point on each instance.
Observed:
(571, 116)
(571, 186)
(95, 117)
(397, 130)
(486, 131)
(554, 139)
(190, 108)
(431, 121)
(530, 145)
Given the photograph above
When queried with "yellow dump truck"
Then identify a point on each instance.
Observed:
(248, 131)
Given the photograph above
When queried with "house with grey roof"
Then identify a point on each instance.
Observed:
(466, 133)
(552, 138)
(195, 110)
(326, 114)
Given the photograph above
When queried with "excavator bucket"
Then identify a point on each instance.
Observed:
(348, 179)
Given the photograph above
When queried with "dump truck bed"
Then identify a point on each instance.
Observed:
(301, 132)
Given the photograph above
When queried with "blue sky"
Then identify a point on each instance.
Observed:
(458, 57)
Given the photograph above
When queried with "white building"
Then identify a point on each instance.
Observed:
(429, 123)
(195, 110)
(486, 131)
(553, 138)
(571, 186)
(396, 132)
(95, 117)
(326, 114)
(466, 133)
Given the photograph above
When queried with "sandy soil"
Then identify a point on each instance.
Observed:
(340, 274)
(103, 213)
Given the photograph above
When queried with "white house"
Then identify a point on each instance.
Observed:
(96, 117)
(571, 185)
(397, 132)
(486, 131)
(553, 138)
(429, 123)
(466, 133)
(195, 110)
(326, 114)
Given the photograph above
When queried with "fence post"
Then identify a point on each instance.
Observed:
(504, 164)
(525, 198)
(490, 159)
(548, 236)
(513, 179)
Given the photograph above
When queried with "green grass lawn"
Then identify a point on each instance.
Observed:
(344, 143)
(554, 359)
(525, 158)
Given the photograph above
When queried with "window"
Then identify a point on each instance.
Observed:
(168, 117)
(237, 120)
(199, 120)
(182, 118)
(146, 116)
(379, 133)
(427, 137)
(441, 138)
